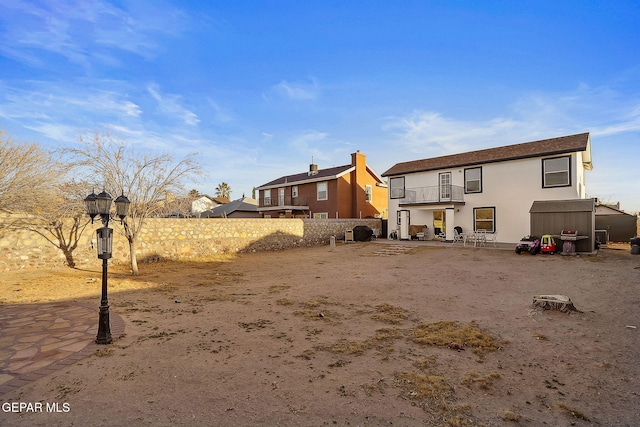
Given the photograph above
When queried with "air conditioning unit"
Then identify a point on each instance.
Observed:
(602, 236)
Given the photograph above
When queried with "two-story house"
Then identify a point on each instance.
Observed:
(349, 191)
(491, 189)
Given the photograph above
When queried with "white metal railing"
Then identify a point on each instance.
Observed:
(433, 194)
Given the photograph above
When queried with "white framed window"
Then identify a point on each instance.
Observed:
(294, 191)
(484, 219)
(368, 191)
(321, 215)
(267, 216)
(556, 172)
(473, 180)
(397, 187)
(266, 194)
(323, 193)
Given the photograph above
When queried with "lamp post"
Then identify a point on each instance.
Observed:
(100, 204)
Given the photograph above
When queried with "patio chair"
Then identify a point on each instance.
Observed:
(480, 237)
(457, 234)
(491, 237)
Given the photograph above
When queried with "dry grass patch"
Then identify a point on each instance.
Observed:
(425, 363)
(349, 347)
(416, 386)
(388, 313)
(455, 335)
(482, 381)
(511, 416)
(314, 303)
(220, 297)
(573, 412)
(310, 314)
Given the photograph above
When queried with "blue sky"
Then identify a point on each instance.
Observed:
(258, 88)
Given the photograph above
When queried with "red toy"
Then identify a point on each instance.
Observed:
(548, 244)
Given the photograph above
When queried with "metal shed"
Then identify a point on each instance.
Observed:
(553, 216)
(619, 225)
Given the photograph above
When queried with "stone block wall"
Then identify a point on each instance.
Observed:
(174, 238)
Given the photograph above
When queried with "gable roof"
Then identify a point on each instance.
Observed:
(553, 206)
(604, 209)
(219, 200)
(301, 178)
(545, 147)
(244, 204)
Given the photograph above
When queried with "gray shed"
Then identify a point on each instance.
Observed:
(553, 216)
(620, 226)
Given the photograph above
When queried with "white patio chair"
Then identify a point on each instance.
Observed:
(457, 234)
(480, 237)
(491, 237)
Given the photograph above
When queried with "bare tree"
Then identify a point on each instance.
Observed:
(145, 178)
(61, 220)
(27, 175)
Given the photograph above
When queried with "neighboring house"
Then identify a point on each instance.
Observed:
(349, 191)
(490, 189)
(205, 203)
(614, 224)
(241, 208)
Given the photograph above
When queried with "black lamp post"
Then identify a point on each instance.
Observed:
(101, 205)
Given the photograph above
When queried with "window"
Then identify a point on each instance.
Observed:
(322, 191)
(556, 172)
(484, 219)
(267, 197)
(368, 191)
(473, 180)
(294, 191)
(397, 187)
(321, 215)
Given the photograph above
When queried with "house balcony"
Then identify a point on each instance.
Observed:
(283, 202)
(435, 194)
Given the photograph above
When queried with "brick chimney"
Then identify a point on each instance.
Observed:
(358, 177)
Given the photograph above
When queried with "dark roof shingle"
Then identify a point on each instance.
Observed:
(545, 147)
(322, 173)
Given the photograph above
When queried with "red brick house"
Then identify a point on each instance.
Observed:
(349, 191)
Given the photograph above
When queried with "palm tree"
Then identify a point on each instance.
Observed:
(223, 190)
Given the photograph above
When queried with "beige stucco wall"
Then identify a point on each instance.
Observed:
(175, 239)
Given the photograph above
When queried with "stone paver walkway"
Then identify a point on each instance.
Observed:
(38, 339)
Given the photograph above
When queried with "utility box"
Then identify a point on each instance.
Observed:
(348, 236)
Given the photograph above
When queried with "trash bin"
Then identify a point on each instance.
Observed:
(635, 245)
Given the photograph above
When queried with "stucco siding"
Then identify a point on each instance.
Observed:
(510, 187)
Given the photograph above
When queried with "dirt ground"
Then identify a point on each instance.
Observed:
(311, 337)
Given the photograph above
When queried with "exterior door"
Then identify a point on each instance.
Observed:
(403, 223)
(445, 187)
(280, 196)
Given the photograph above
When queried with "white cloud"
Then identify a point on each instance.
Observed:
(221, 115)
(296, 91)
(171, 106)
(302, 141)
(533, 116)
(84, 32)
(430, 134)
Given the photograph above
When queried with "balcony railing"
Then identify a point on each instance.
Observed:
(266, 202)
(433, 194)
